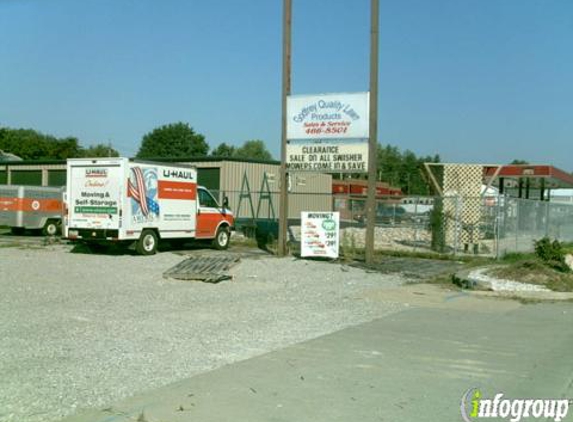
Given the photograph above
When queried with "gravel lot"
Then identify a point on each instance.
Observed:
(80, 331)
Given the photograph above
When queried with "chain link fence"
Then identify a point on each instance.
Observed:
(486, 226)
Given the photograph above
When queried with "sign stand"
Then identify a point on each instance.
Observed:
(372, 142)
(283, 203)
(322, 119)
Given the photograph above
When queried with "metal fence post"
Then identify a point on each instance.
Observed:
(497, 229)
(416, 223)
(547, 219)
(456, 224)
(517, 206)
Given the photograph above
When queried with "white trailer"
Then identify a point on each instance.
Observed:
(119, 200)
(31, 208)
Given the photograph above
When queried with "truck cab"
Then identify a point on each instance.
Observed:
(211, 217)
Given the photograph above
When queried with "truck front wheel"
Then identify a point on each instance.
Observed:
(222, 238)
(147, 243)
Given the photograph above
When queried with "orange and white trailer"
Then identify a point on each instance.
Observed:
(120, 200)
(31, 208)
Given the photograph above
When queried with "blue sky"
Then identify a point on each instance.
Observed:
(472, 80)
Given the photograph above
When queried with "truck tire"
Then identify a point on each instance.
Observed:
(222, 238)
(147, 243)
(50, 228)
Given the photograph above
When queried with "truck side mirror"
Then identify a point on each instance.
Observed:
(225, 202)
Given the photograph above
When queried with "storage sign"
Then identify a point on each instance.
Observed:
(320, 234)
(328, 116)
(328, 156)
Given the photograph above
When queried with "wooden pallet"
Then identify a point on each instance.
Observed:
(209, 269)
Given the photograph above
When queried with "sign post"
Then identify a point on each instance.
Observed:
(283, 207)
(371, 198)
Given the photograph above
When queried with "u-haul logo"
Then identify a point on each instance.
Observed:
(178, 174)
(96, 173)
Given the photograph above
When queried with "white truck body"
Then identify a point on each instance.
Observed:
(118, 199)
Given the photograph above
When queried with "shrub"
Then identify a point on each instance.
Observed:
(551, 253)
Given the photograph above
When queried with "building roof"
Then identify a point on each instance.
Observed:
(552, 176)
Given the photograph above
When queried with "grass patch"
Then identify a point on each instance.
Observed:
(521, 267)
(535, 271)
(546, 266)
(469, 260)
(517, 257)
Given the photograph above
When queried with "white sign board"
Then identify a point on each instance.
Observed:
(320, 234)
(328, 116)
(328, 156)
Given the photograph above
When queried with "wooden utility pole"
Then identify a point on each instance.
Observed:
(283, 209)
(372, 141)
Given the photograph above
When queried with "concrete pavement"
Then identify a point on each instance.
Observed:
(410, 366)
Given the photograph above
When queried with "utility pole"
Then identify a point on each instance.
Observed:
(372, 141)
(283, 209)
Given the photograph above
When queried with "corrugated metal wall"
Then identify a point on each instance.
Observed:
(309, 192)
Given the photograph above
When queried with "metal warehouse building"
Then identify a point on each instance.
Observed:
(252, 186)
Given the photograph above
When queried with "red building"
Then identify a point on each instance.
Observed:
(349, 196)
(359, 188)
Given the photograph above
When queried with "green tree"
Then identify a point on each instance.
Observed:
(223, 150)
(177, 140)
(33, 145)
(403, 169)
(99, 150)
(254, 149)
(516, 161)
(61, 149)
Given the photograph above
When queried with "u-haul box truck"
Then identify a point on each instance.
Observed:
(116, 199)
(32, 208)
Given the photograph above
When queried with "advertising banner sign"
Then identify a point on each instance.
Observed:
(320, 234)
(328, 116)
(328, 156)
